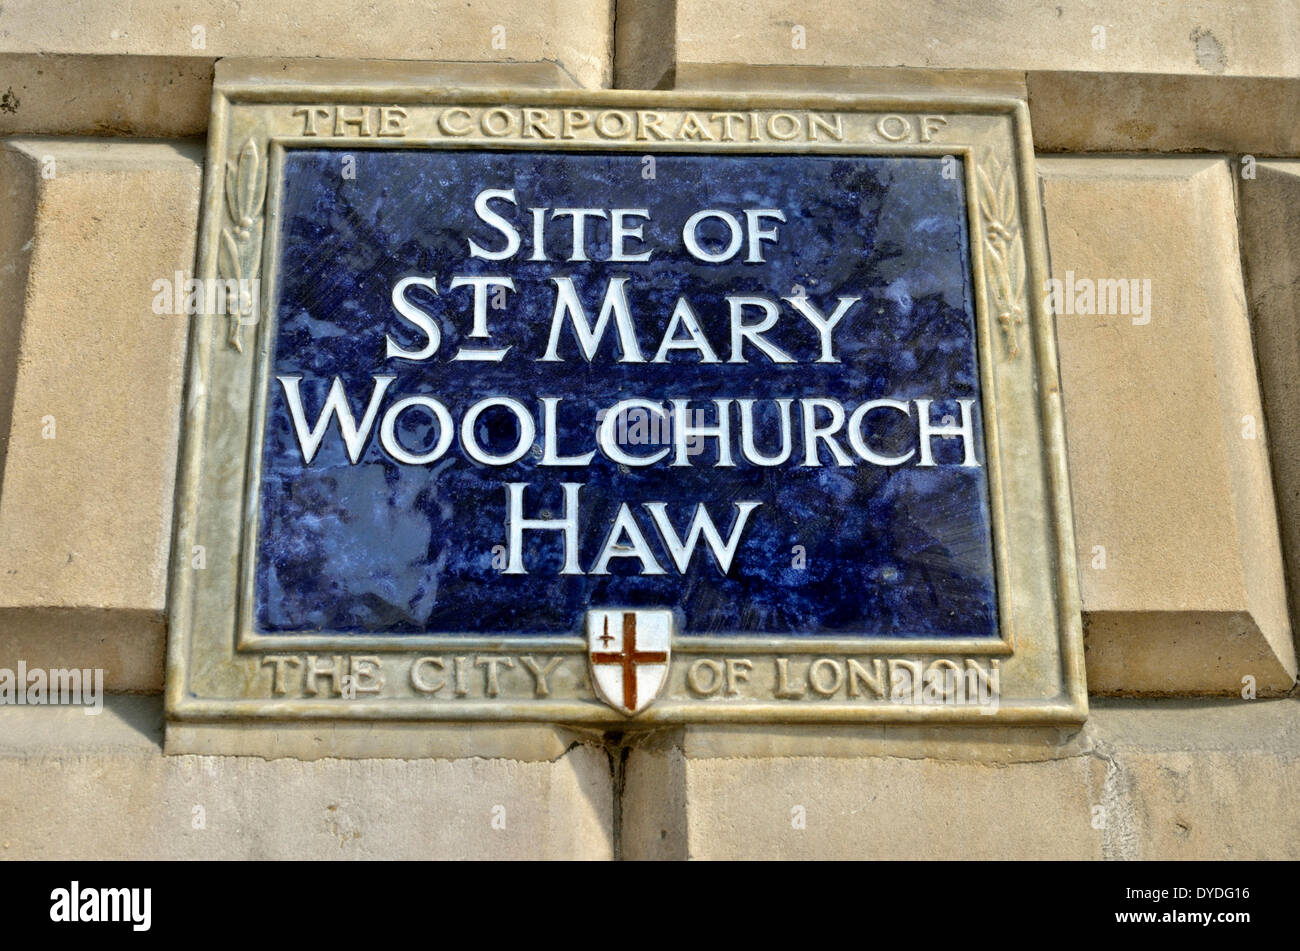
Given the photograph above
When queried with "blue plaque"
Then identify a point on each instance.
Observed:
(835, 522)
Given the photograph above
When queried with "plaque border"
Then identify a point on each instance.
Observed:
(1040, 651)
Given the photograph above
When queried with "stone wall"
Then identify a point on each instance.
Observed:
(1169, 153)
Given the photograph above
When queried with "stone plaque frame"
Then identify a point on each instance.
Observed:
(223, 676)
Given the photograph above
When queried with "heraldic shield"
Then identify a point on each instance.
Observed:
(628, 651)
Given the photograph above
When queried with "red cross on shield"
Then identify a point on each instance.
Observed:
(628, 651)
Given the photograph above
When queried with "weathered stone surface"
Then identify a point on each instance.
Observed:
(97, 70)
(85, 516)
(575, 34)
(1143, 780)
(644, 44)
(1196, 781)
(1190, 600)
(1180, 563)
(163, 96)
(313, 740)
(170, 96)
(274, 70)
(883, 81)
(1270, 244)
(74, 786)
(871, 808)
(1165, 37)
(1107, 76)
(1137, 112)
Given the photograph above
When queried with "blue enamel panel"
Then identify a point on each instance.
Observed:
(383, 547)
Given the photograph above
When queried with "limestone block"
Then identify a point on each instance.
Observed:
(74, 786)
(1270, 244)
(163, 96)
(679, 805)
(1103, 76)
(1142, 780)
(644, 47)
(91, 404)
(1179, 554)
(1103, 36)
(1196, 781)
(574, 34)
(878, 81)
(1141, 112)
